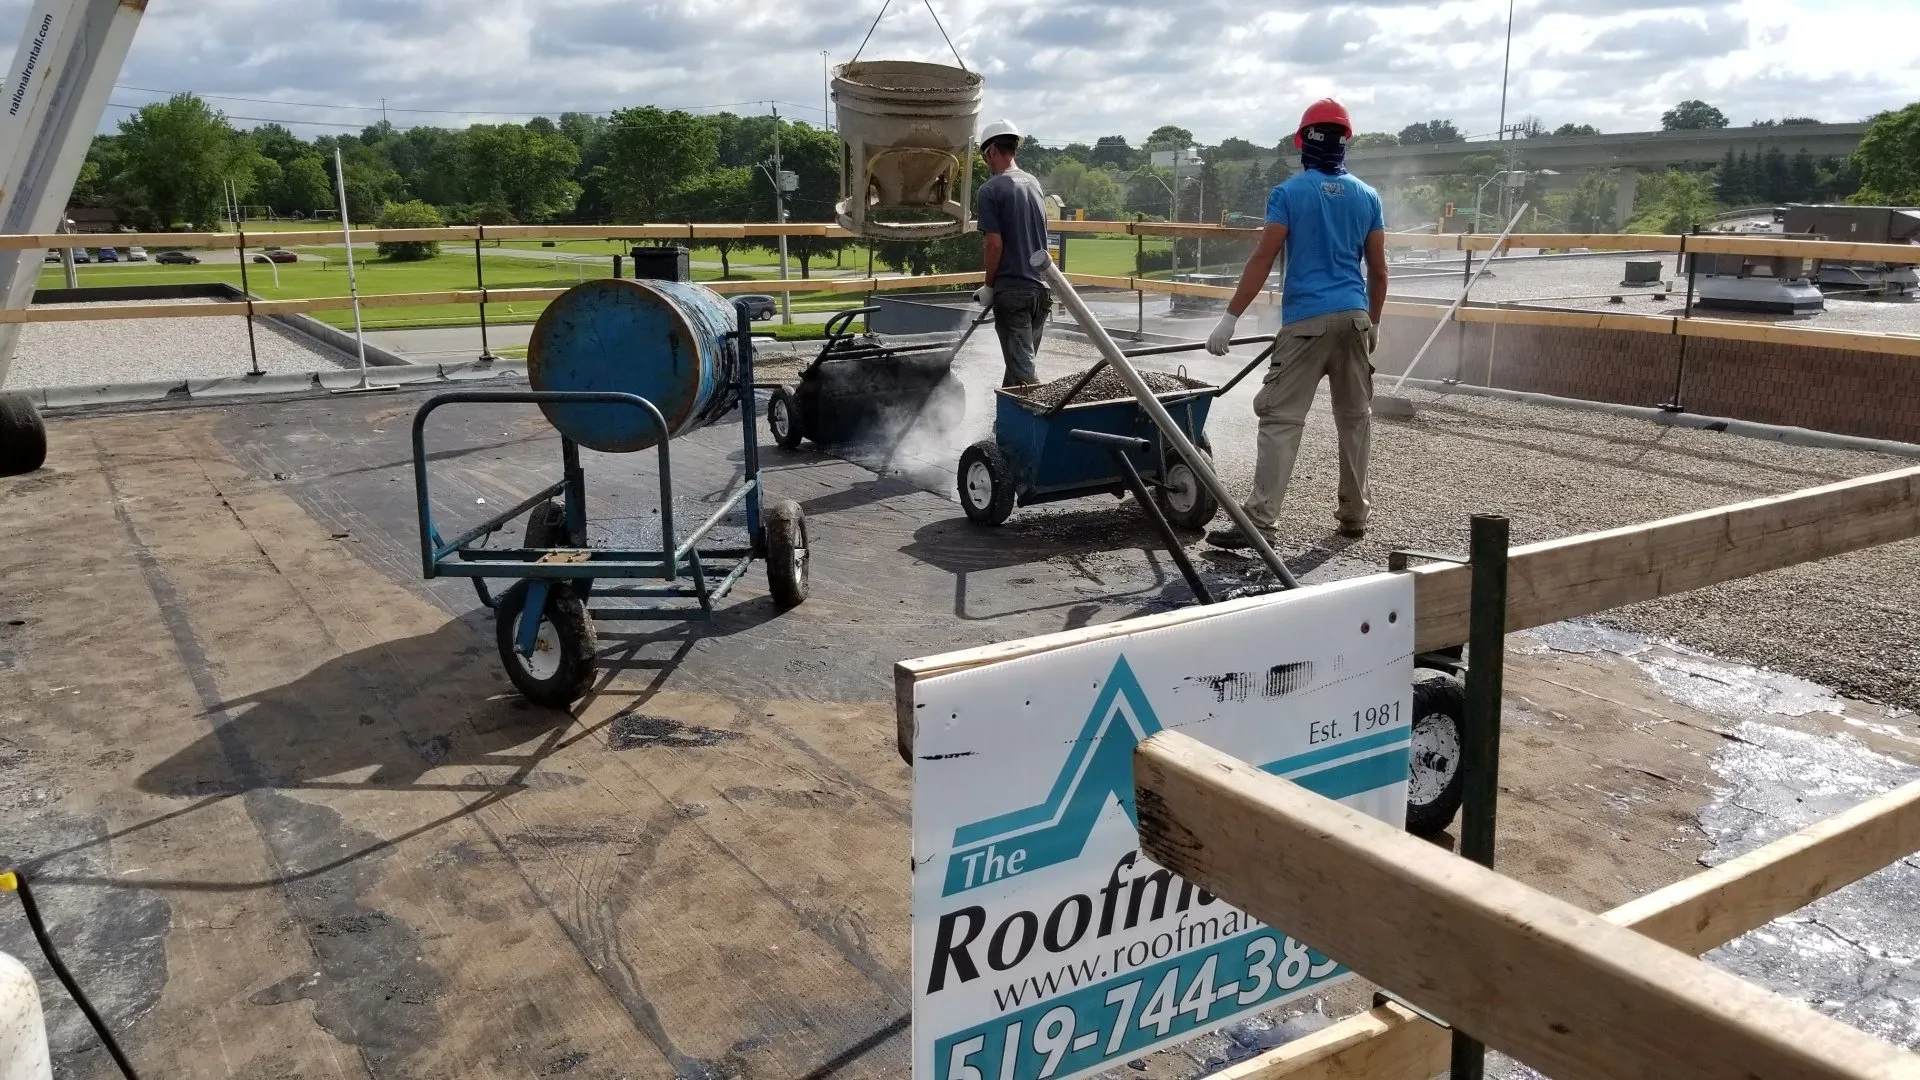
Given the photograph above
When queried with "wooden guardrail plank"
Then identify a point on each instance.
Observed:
(1721, 243)
(1556, 987)
(1585, 320)
(1695, 915)
(1582, 575)
(1573, 576)
(1594, 241)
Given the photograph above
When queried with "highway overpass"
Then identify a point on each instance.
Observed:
(1645, 151)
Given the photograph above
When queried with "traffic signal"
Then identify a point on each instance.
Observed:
(1449, 212)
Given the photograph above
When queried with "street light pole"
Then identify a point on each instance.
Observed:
(826, 116)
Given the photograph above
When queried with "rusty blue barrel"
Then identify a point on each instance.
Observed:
(663, 340)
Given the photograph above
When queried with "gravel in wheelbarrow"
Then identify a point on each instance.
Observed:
(1105, 386)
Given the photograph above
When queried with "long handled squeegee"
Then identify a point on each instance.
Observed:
(985, 314)
(1390, 403)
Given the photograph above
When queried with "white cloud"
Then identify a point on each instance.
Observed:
(1071, 70)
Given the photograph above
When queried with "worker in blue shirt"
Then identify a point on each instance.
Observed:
(1334, 233)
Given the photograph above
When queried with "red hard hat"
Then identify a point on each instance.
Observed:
(1324, 111)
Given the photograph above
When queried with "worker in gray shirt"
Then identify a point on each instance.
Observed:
(1013, 221)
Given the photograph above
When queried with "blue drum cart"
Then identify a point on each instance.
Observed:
(617, 366)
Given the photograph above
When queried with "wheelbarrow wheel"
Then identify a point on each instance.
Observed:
(1435, 783)
(560, 670)
(23, 438)
(986, 483)
(547, 528)
(785, 526)
(783, 419)
(1187, 502)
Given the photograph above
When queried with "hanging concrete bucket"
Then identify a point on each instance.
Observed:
(906, 148)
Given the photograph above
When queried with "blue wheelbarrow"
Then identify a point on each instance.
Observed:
(1040, 452)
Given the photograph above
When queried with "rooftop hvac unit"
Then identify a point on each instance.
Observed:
(1861, 225)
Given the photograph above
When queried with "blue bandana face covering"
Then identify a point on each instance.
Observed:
(1323, 148)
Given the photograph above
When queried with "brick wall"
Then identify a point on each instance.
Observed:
(1835, 390)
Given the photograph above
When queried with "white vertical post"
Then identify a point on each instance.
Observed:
(353, 281)
(780, 215)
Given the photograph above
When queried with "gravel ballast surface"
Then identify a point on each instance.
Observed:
(1104, 386)
(153, 350)
(1852, 623)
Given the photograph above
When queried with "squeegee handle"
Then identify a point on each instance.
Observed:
(1461, 299)
(985, 314)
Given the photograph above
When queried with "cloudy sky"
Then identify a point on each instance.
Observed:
(1072, 70)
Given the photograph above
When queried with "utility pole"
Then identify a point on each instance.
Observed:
(780, 217)
(826, 117)
(1507, 158)
(383, 112)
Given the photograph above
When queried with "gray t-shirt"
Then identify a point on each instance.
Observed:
(1013, 205)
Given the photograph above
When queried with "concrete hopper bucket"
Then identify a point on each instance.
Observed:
(906, 148)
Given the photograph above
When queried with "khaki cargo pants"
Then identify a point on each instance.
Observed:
(1334, 347)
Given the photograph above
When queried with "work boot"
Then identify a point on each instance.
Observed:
(1233, 539)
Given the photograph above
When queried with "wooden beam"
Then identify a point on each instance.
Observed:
(1812, 249)
(1584, 320)
(1695, 915)
(1595, 241)
(1570, 577)
(1805, 337)
(1090, 227)
(1100, 281)
(1708, 910)
(1556, 987)
(1582, 575)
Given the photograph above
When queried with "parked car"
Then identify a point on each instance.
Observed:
(277, 255)
(176, 258)
(109, 255)
(136, 254)
(82, 255)
(53, 254)
(758, 306)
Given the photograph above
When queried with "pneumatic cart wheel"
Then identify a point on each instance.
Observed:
(783, 419)
(560, 668)
(1188, 503)
(23, 438)
(1434, 781)
(785, 527)
(986, 483)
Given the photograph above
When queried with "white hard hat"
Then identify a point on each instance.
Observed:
(998, 128)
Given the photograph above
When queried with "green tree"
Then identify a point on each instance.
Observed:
(1692, 115)
(1887, 161)
(1673, 202)
(1576, 129)
(304, 186)
(1168, 137)
(651, 155)
(1113, 150)
(1803, 178)
(409, 215)
(1730, 180)
(176, 159)
(1776, 184)
(1430, 131)
(723, 194)
(1064, 180)
(528, 170)
(1368, 140)
(1100, 195)
(1234, 148)
(813, 156)
(1590, 206)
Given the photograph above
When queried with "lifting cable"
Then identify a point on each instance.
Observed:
(936, 22)
(12, 881)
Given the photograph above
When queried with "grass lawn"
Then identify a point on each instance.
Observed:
(1108, 255)
(442, 273)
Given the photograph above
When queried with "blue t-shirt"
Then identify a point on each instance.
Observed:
(1327, 219)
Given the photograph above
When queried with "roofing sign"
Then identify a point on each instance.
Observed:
(1044, 944)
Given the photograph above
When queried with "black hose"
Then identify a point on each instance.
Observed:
(66, 977)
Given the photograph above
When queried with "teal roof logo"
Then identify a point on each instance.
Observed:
(1099, 767)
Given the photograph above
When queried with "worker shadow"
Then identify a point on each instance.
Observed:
(1047, 553)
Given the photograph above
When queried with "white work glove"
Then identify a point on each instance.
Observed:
(1373, 338)
(983, 296)
(1221, 339)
